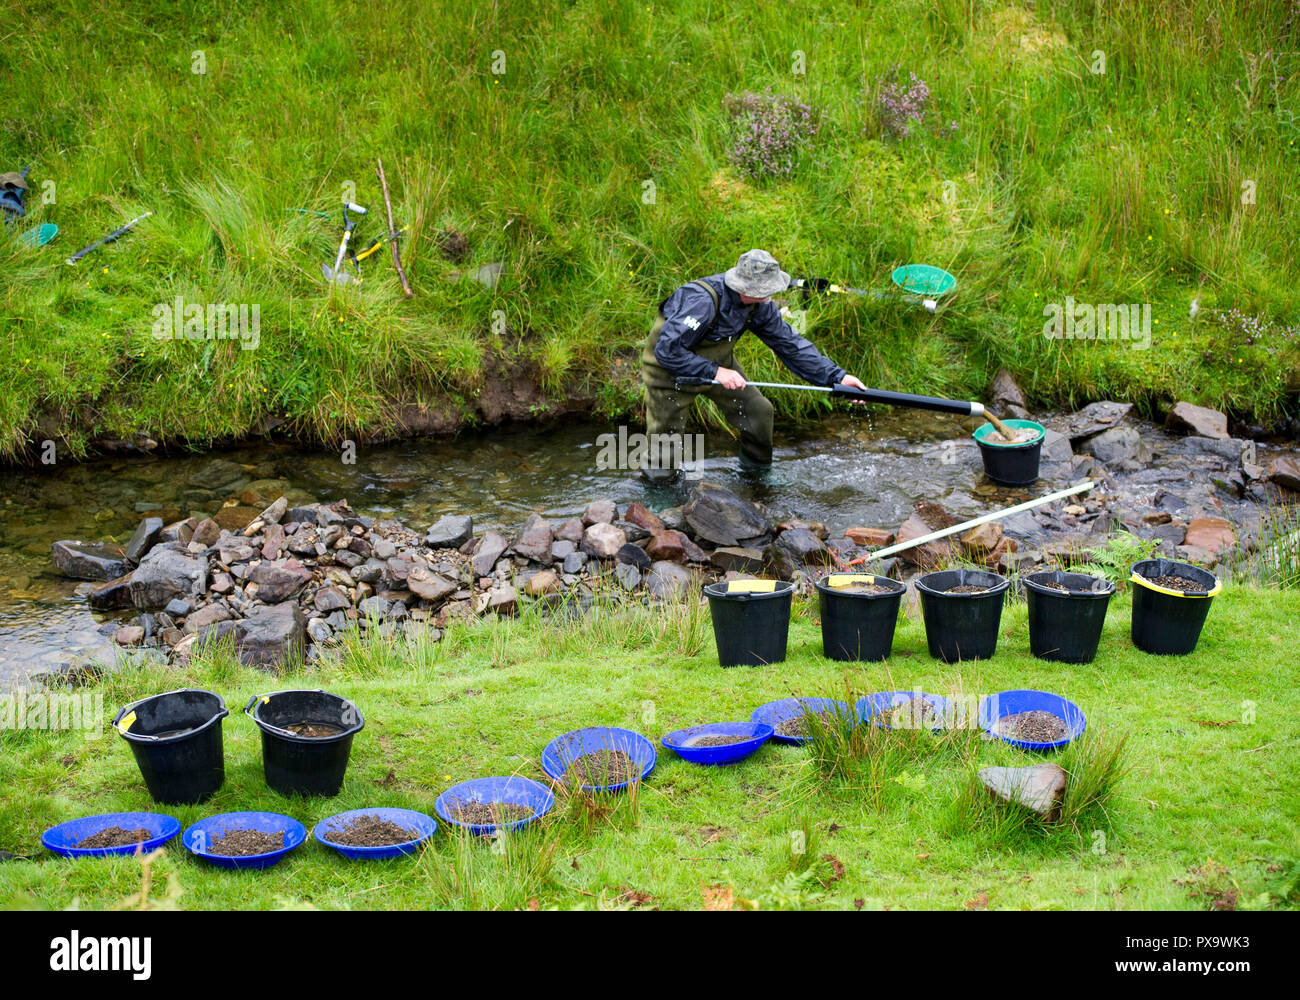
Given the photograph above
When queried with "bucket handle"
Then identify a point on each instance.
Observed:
(248, 710)
(1144, 582)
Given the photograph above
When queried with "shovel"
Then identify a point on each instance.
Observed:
(862, 395)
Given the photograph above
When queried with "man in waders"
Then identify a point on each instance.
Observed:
(695, 337)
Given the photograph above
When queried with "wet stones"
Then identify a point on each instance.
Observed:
(1201, 420)
(270, 635)
(89, 560)
(144, 538)
(450, 531)
(165, 574)
(601, 540)
(722, 518)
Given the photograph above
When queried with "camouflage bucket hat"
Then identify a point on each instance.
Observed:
(757, 274)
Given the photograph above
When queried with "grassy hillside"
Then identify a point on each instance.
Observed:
(1169, 175)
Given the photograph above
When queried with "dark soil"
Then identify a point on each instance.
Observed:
(490, 813)
(717, 740)
(312, 730)
(1033, 727)
(967, 588)
(1056, 586)
(370, 831)
(861, 588)
(452, 245)
(115, 836)
(603, 767)
(797, 725)
(246, 843)
(1181, 583)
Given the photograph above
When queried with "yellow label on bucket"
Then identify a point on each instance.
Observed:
(266, 699)
(751, 586)
(127, 722)
(845, 579)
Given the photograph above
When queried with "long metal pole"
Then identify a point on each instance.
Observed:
(890, 550)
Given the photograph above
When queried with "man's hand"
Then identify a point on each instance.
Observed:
(732, 379)
(855, 383)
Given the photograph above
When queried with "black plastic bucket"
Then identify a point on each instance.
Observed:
(961, 626)
(1167, 622)
(1065, 625)
(751, 620)
(858, 626)
(1011, 464)
(176, 740)
(304, 765)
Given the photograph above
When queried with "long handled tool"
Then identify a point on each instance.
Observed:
(114, 235)
(392, 230)
(865, 396)
(890, 550)
(349, 224)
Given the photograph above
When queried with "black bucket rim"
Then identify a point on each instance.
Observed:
(283, 734)
(145, 738)
(1142, 580)
(825, 588)
(994, 590)
(782, 588)
(1086, 595)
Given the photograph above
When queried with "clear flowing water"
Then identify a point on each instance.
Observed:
(854, 468)
(850, 469)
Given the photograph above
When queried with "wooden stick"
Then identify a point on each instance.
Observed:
(392, 230)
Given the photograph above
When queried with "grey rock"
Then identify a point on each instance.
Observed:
(275, 512)
(112, 595)
(428, 585)
(165, 574)
(209, 615)
(1197, 420)
(278, 581)
(450, 531)
(491, 548)
(721, 517)
(602, 540)
(1006, 396)
(737, 559)
(667, 580)
(88, 561)
(330, 598)
(570, 531)
(1092, 419)
(1056, 447)
(1116, 446)
(574, 562)
(561, 549)
(384, 549)
(628, 575)
(534, 540)
(319, 631)
(633, 555)
(599, 512)
(271, 636)
(145, 537)
(373, 607)
(796, 549)
(1038, 787)
(178, 608)
(206, 532)
(1227, 448)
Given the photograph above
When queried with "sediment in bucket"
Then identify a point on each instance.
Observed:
(751, 620)
(305, 765)
(961, 626)
(1168, 622)
(1011, 464)
(1065, 625)
(858, 625)
(176, 740)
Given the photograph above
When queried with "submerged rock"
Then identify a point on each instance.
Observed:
(88, 560)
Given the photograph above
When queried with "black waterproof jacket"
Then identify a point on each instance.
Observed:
(689, 320)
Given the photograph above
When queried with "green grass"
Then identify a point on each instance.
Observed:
(1122, 186)
(1182, 796)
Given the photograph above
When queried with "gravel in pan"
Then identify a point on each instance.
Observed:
(1033, 727)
